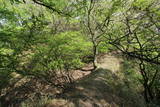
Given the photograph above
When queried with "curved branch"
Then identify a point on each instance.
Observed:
(50, 7)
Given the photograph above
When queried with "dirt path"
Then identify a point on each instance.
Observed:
(102, 88)
(109, 62)
(105, 61)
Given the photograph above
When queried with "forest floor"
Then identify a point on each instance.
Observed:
(105, 61)
(105, 87)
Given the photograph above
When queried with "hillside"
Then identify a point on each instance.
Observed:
(102, 88)
(79, 53)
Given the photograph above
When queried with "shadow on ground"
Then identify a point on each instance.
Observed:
(105, 87)
(101, 88)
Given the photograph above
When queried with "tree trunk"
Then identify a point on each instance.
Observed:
(150, 93)
(145, 93)
(95, 53)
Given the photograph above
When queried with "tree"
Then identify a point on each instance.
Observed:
(96, 21)
(138, 37)
(34, 45)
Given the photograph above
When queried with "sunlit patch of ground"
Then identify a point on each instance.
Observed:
(109, 62)
(102, 88)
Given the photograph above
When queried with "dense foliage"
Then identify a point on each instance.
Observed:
(46, 39)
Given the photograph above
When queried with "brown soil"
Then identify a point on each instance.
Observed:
(101, 88)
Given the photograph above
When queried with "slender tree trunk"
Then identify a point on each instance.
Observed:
(95, 53)
(150, 93)
(146, 94)
(145, 82)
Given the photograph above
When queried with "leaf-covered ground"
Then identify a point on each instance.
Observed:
(105, 87)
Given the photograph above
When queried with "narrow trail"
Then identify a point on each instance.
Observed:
(102, 88)
(105, 61)
(109, 62)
